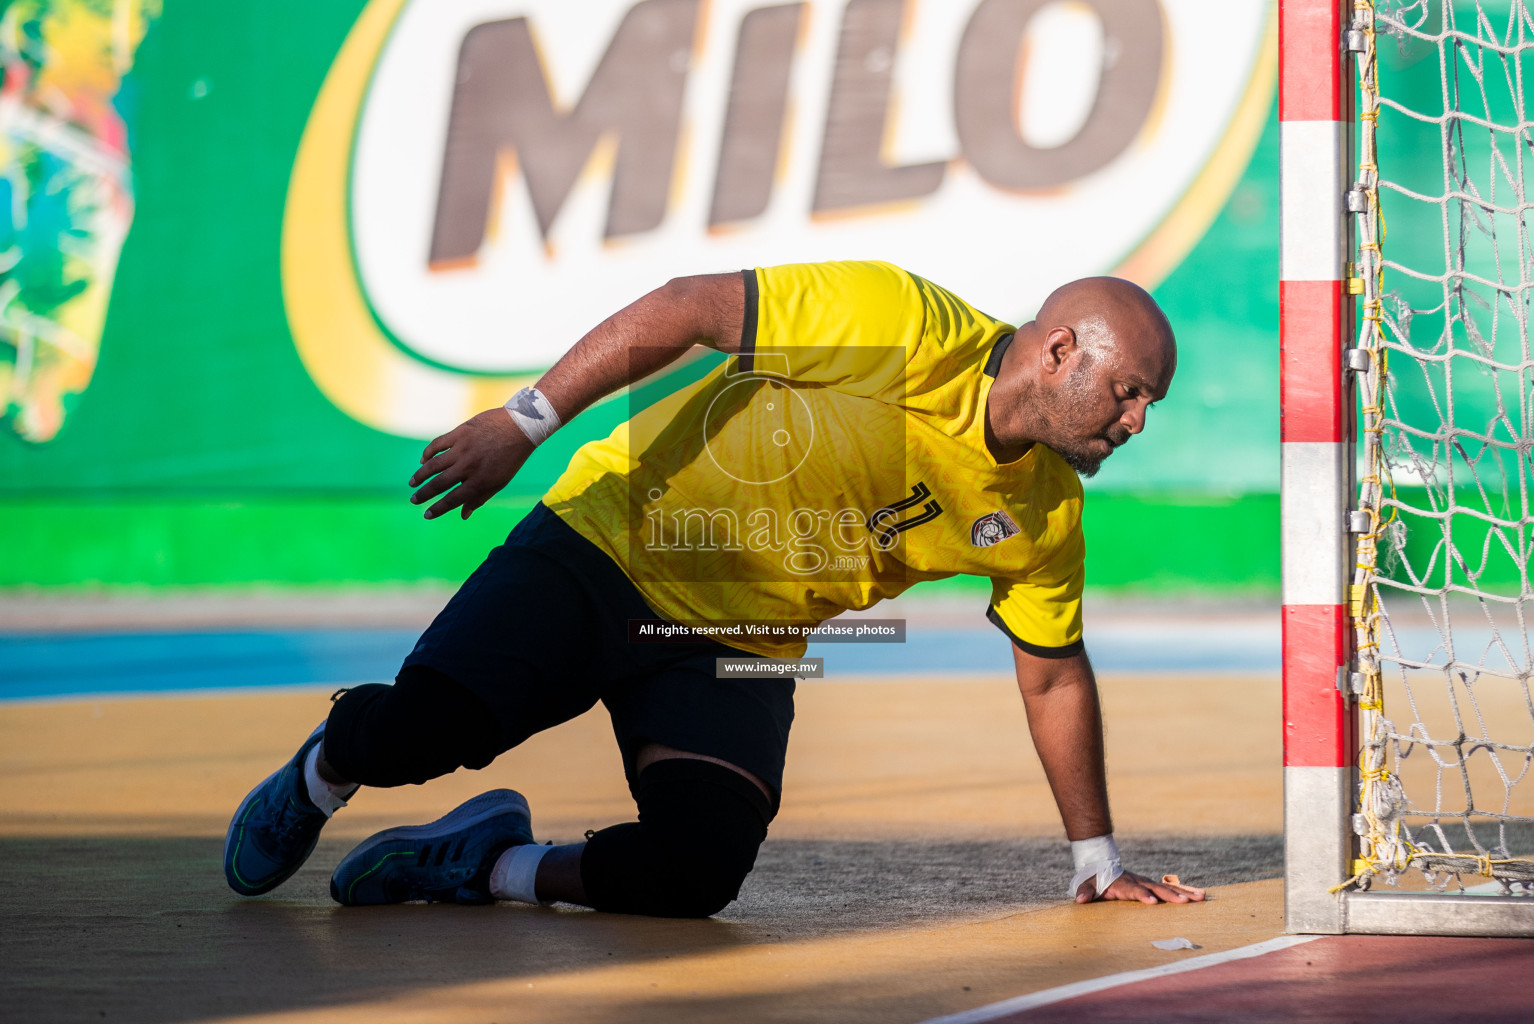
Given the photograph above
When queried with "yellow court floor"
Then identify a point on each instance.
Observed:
(915, 869)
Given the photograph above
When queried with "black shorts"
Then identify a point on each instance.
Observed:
(540, 633)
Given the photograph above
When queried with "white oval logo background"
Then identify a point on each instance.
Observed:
(522, 297)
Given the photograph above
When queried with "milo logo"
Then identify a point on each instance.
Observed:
(483, 180)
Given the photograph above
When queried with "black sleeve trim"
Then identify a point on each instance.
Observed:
(993, 361)
(1068, 651)
(744, 361)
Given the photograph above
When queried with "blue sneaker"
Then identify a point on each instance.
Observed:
(274, 828)
(447, 861)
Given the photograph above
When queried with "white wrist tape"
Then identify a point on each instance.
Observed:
(533, 413)
(1097, 859)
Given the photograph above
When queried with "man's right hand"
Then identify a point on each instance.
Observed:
(470, 463)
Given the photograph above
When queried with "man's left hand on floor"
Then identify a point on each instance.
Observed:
(1130, 886)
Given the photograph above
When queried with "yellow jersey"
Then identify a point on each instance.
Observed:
(838, 460)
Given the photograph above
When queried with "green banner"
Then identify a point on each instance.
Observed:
(259, 254)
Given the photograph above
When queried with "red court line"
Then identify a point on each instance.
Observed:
(1403, 979)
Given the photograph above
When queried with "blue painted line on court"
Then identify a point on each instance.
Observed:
(52, 665)
(1111, 650)
(63, 664)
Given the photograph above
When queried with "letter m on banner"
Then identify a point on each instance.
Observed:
(504, 118)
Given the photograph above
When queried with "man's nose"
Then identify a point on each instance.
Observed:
(1134, 419)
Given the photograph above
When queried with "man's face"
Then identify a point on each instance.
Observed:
(1099, 402)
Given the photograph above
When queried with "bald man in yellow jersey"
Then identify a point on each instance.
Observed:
(870, 431)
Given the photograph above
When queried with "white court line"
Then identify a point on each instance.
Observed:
(1081, 988)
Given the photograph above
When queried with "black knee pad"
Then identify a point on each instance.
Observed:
(424, 726)
(700, 825)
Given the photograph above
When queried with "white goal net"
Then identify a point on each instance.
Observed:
(1440, 602)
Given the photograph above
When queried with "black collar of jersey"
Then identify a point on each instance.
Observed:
(993, 363)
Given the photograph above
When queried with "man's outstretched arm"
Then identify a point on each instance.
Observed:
(474, 460)
(1065, 720)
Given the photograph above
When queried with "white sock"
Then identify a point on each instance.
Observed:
(515, 874)
(327, 796)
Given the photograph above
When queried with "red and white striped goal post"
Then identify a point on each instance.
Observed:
(1320, 728)
(1318, 487)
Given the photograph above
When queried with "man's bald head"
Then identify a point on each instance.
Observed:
(1086, 371)
(1110, 314)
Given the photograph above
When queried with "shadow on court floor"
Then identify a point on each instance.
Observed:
(152, 934)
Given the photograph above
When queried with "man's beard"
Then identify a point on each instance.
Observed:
(1054, 413)
(1085, 463)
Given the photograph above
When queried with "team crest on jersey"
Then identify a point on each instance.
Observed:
(992, 528)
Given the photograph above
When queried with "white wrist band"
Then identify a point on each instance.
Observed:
(1098, 859)
(533, 413)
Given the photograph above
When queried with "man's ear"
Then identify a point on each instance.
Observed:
(1058, 345)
